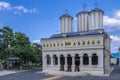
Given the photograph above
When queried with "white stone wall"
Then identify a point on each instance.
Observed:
(75, 49)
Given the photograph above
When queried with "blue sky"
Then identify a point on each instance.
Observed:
(40, 18)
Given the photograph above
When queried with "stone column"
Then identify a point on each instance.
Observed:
(73, 63)
(81, 60)
(51, 61)
(58, 63)
(90, 60)
(65, 63)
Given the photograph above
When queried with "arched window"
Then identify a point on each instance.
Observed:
(83, 43)
(88, 42)
(93, 42)
(94, 59)
(55, 60)
(85, 59)
(54, 44)
(78, 42)
(44, 45)
(69, 60)
(61, 44)
(48, 60)
(47, 45)
(58, 44)
(98, 41)
(74, 43)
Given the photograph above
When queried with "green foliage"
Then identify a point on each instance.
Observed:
(17, 44)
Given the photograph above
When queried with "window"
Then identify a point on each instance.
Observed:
(61, 44)
(54, 44)
(48, 60)
(74, 43)
(93, 42)
(94, 59)
(58, 44)
(98, 41)
(88, 42)
(47, 45)
(44, 45)
(50, 45)
(83, 43)
(68, 43)
(85, 59)
(78, 42)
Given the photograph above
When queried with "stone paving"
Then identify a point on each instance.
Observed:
(37, 75)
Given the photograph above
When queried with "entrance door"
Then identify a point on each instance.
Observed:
(77, 62)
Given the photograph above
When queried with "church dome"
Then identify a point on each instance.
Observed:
(66, 15)
(97, 9)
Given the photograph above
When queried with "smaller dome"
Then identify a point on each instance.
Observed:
(84, 11)
(66, 15)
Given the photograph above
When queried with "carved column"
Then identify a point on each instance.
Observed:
(90, 60)
(81, 60)
(65, 63)
(73, 63)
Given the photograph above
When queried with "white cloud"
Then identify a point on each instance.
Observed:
(113, 22)
(115, 43)
(5, 5)
(22, 8)
(115, 38)
(36, 41)
(16, 9)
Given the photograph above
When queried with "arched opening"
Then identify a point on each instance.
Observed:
(69, 62)
(55, 60)
(94, 59)
(62, 62)
(77, 62)
(85, 59)
(48, 59)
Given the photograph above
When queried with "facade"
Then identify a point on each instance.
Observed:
(84, 52)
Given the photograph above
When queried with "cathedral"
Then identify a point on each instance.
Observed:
(84, 52)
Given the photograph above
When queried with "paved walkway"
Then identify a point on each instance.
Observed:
(37, 75)
(6, 72)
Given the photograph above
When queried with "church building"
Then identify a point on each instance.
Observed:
(84, 52)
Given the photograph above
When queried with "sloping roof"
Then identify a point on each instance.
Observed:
(56, 36)
(92, 32)
(72, 34)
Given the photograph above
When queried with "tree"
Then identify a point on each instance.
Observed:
(17, 44)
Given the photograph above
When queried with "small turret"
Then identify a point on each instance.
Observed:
(66, 23)
(96, 19)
